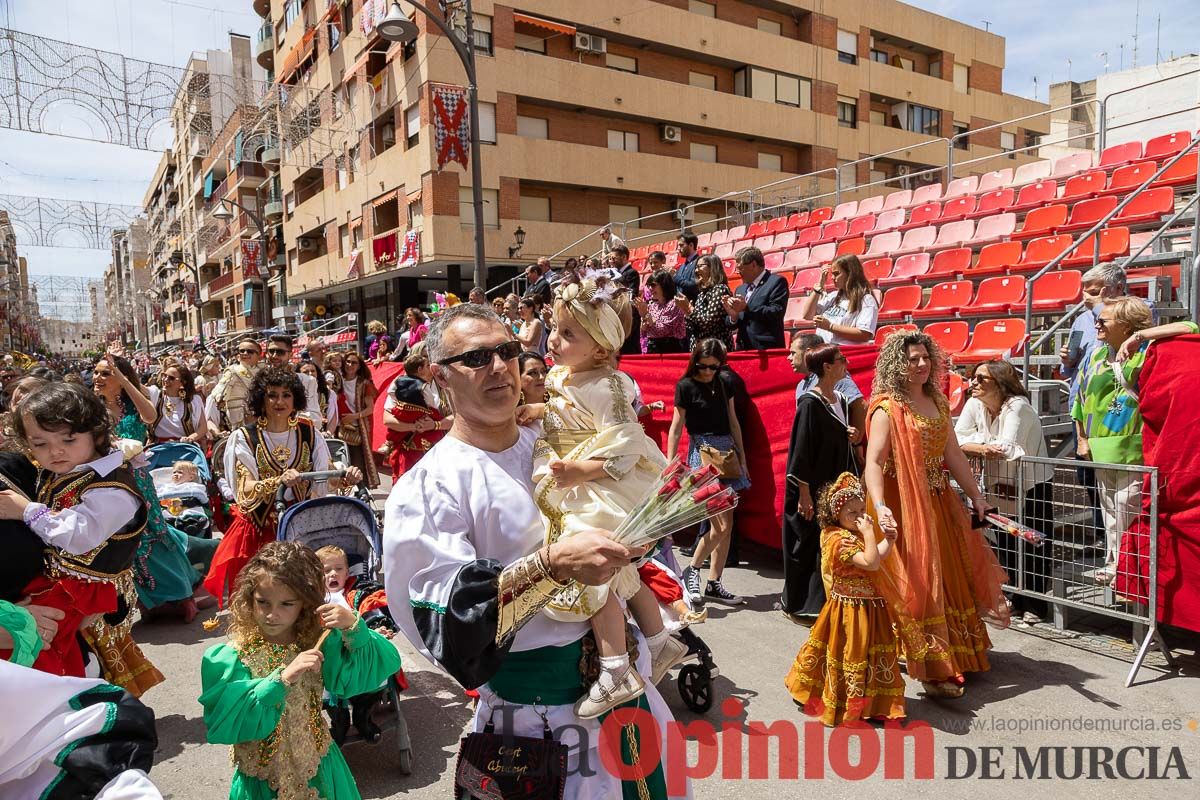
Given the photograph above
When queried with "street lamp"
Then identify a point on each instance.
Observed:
(224, 213)
(177, 261)
(397, 27)
(519, 240)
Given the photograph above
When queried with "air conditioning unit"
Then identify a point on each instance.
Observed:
(590, 43)
(671, 133)
(684, 208)
(306, 244)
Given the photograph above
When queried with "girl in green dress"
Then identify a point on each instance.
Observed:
(262, 690)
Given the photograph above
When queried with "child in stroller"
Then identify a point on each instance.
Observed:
(184, 498)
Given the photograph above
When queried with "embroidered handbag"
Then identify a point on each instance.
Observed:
(350, 432)
(503, 767)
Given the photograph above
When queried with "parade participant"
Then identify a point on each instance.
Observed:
(227, 403)
(591, 468)
(262, 457)
(414, 413)
(88, 510)
(326, 398)
(279, 354)
(178, 408)
(74, 737)
(464, 542)
(953, 578)
(261, 691)
(849, 669)
(355, 428)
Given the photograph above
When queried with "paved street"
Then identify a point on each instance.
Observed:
(1036, 679)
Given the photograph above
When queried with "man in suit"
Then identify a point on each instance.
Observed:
(628, 277)
(757, 310)
(685, 273)
(539, 285)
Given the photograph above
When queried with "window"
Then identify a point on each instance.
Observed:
(702, 8)
(533, 127)
(621, 63)
(491, 207)
(416, 215)
(703, 80)
(623, 140)
(922, 119)
(618, 213)
(774, 87)
(1008, 143)
(530, 43)
(847, 112)
(291, 12)
(412, 124)
(770, 161)
(847, 45)
(962, 78)
(704, 152)
(1031, 139)
(879, 57)
(487, 122)
(905, 63)
(960, 129)
(770, 26)
(355, 162)
(343, 241)
(535, 209)
(483, 34)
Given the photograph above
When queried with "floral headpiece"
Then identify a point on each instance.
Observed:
(842, 491)
(591, 301)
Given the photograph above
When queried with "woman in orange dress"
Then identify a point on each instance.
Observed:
(950, 576)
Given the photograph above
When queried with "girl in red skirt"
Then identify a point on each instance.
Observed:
(414, 413)
(260, 458)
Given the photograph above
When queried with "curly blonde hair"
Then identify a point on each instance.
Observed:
(296, 567)
(891, 369)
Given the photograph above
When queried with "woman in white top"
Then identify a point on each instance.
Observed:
(848, 314)
(532, 332)
(999, 426)
(327, 398)
(179, 408)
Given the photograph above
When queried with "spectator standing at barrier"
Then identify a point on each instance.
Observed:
(821, 449)
(757, 308)
(662, 323)
(628, 277)
(477, 296)
(358, 393)
(848, 314)
(999, 426)
(609, 240)
(705, 312)
(685, 273)
(417, 326)
(944, 567)
(846, 387)
(1108, 417)
(539, 284)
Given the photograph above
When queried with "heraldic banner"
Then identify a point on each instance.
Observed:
(451, 124)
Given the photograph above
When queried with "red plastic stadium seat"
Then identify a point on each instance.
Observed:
(736, 233)
(702, 240)
(899, 302)
(884, 331)
(846, 210)
(998, 179)
(1041, 252)
(1066, 166)
(1125, 179)
(1034, 195)
(1149, 206)
(956, 393)
(872, 205)
(1114, 243)
(961, 187)
(889, 221)
(785, 240)
(861, 226)
(1181, 173)
(1087, 213)
(724, 251)
(876, 269)
(994, 339)
(757, 229)
(852, 247)
(922, 215)
(809, 235)
(883, 244)
(819, 215)
(1042, 221)
(996, 259)
(730, 267)
(791, 316)
(1118, 155)
(796, 257)
(926, 194)
(958, 208)
(777, 225)
(994, 202)
(796, 221)
(952, 336)
(1054, 291)
(953, 234)
(950, 263)
(945, 299)
(805, 280)
(993, 229)
(1033, 172)
(917, 239)
(834, 230)
(1167, 145)
(996, 295)
(774, 261)
(898, 199)
(823, 253)
(908, 269)
(765, 243)
(718, 237)
(1081, 187)
(669, 246)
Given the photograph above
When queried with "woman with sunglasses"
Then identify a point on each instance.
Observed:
(227, 403)
(704, 407)
(178, 407)
(357, 409)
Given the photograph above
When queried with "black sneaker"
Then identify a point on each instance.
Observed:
(691, 582)
(716, 591)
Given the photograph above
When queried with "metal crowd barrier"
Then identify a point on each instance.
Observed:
(1061, 499)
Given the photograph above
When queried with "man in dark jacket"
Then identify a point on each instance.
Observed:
(756, 310)
(628, 277)
(685, 273)
(539, 285)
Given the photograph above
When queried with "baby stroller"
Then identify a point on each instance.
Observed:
(339, 455)
(184, 507)
(697, 670)
(349, 524)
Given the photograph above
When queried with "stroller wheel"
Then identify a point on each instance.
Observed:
(695, 687)
(404, 762)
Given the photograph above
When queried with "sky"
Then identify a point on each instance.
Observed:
(168, 31)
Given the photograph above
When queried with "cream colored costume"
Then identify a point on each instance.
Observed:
(232, 389)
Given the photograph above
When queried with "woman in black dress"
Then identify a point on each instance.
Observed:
(706, 318)
(822, 448)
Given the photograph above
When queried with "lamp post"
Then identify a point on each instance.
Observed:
(224, 213)
(177, 261)
(397, 27)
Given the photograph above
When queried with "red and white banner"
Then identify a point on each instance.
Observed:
(451, 124)
(355, 263)
(191, 289)
(411, 253)
(251, 258)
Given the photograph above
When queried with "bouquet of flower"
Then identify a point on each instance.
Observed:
(679, 499)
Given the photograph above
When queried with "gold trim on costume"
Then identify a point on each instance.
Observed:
(524, 588)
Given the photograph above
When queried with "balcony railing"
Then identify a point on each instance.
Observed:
(247, 170)
(219, 283)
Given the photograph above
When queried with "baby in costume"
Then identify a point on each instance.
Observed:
(592, 467)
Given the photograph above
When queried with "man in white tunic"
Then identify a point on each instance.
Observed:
(463, 545)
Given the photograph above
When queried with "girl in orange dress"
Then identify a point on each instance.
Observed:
(849, 669)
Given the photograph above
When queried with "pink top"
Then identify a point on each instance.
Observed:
(666, 320)
(417, 334)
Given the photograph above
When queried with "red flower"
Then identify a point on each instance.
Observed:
(720, 503)
(705, 492)
(669, 488)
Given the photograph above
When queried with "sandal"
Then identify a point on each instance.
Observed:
(942, 689)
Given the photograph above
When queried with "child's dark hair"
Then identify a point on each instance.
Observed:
(296, 567)
(69, 407)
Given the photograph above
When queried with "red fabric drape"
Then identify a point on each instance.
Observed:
(766, 430)
(1167, 390)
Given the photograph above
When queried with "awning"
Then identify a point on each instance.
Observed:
(413, 197)
(538, 22)
(356, 66)
(298, 55)
(383, 198)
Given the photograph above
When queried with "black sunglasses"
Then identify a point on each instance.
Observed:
(248, 352)
(476, 359)
(708, 367)
(278, 351)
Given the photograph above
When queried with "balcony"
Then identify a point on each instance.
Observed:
(249, 174)
(384, 252)
(218, 284)
(273, 210)
(264, 45)
(262, 8)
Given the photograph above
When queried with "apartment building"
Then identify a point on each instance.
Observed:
(18, 302)
(596, 113)
(125, 283)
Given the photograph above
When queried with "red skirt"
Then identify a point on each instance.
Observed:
(241, 541)
(77, 599)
